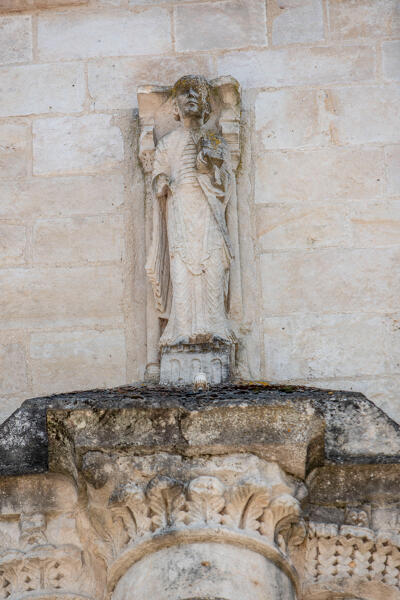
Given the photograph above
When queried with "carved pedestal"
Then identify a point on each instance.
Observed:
(180, 364)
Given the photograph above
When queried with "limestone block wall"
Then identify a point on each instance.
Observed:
(319, 185)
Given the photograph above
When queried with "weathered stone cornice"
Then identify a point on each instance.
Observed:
(301, 428)
(339, 484)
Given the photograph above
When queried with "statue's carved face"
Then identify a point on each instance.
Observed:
(189, 102)
(191, 98)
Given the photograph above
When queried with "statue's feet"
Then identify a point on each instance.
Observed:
(199, 338)
(181, 339)
(218, 339)
(226, 339)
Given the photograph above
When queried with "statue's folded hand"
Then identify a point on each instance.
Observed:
(203, 162)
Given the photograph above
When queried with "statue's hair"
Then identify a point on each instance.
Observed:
(201, 84)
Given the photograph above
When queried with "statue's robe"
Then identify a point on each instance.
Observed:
(191, 252)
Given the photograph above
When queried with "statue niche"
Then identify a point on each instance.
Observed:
(193, 251)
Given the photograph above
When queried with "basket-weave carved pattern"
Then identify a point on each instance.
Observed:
(334, 552)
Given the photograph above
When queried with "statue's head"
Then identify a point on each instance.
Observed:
(191, 98)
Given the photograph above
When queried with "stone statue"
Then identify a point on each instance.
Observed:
(189, 149)
(191, 251)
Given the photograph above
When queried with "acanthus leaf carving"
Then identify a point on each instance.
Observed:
(126, 514)
(129, 505)
(107, 533)
(166, 501)
(206, 500)
(118, 521)
(123, 515)
(280, 507)
(246, 506)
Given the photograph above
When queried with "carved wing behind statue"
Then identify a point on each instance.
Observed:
(155, 110)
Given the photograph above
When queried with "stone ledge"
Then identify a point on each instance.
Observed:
(366, 483)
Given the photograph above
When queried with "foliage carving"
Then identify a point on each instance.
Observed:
(205, 500)
(166, 502)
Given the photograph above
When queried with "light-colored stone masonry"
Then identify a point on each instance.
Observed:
(320, 182)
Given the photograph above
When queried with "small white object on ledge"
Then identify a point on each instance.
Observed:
(200, 382)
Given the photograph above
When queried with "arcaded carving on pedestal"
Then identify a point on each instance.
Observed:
(193, 258)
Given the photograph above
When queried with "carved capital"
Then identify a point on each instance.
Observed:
(151, 512)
